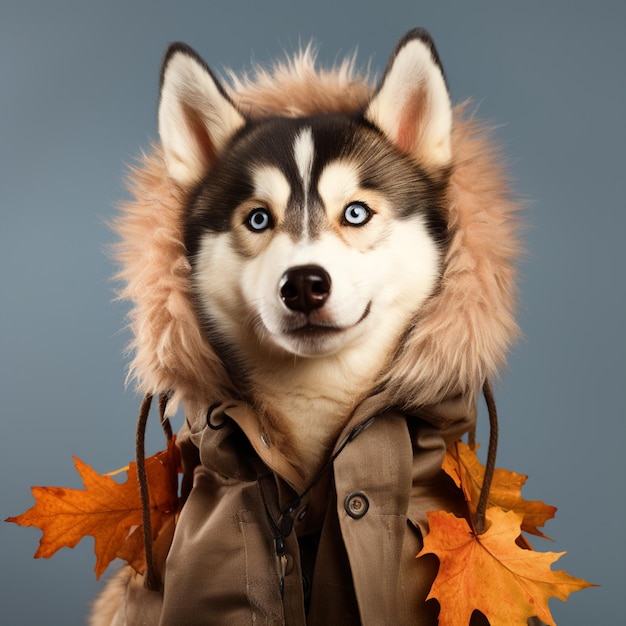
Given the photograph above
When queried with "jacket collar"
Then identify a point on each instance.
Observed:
(234, 427)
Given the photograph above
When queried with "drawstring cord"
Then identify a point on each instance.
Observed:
(164, 398)
(481, 510)
(152, 580)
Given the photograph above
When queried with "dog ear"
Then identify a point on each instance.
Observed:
(196, 116)
(412, 105)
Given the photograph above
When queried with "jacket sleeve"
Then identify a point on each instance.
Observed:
(436, 428)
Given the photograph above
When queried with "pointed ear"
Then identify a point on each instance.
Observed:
(412, 105)
(196, 117)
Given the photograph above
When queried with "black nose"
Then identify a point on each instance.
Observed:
(305, 288)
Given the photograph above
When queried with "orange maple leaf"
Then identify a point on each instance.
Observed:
(463, 466)
(490, 573)
(108, 511)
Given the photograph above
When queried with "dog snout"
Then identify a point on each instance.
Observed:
(305, 288)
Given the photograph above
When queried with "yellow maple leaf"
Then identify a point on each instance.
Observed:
(109, 511)
(489, 572)
(463, 466)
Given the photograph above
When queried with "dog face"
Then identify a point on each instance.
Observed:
(310, 233)
(308, 236)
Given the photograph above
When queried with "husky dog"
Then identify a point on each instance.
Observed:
(315, 240)
(322, 274)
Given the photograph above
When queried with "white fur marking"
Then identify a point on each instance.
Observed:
(304, 152)
(271, 186)
(338, 184)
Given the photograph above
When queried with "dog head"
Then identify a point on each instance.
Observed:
(310, 235)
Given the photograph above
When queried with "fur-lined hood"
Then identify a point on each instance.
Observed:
(463, 331)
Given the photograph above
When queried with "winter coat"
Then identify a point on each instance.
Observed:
(367, 512)
(243, 542)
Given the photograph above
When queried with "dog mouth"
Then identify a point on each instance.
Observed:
(312, 330)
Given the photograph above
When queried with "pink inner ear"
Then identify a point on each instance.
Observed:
(410, 125)
(201, 135)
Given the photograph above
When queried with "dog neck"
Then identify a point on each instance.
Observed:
(305, 402)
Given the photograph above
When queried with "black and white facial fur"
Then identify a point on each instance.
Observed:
(314, 241)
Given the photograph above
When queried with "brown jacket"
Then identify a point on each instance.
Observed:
(227, 563)
(245, 541)
(238, 560)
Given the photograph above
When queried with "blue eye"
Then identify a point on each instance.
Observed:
(357, 214)
(259, 220)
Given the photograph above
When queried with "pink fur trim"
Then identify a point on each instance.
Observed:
(296, 88)
(169, 350)
(463, 332)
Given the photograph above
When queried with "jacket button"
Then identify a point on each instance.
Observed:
(356, 504)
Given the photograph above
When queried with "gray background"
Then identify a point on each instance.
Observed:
(78, 92)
